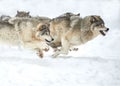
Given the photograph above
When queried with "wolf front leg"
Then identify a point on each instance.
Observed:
(64, 49)
(38, 46)
(39, 52)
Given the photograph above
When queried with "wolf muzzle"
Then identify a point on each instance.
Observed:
(103, 33)
(107, 30)
(48, 40)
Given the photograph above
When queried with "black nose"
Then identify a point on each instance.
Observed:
(107, 29)
(52, 39)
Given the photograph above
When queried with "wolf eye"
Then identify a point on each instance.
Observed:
(43, 26)
(47, 33)
(42, 33)
(102, 25)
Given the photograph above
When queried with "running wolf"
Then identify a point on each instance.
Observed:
(25, 31)
(57, 26)
(74, 30)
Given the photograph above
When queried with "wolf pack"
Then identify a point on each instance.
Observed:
(40, 33)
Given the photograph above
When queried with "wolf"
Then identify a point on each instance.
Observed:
(57, 26)
(23, 14)
(42, 19)
(8, 34)
(68, 15)
(74, 30)
(29, 33)
(4, 18)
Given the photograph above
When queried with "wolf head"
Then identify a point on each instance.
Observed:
(44, 32)
(95, 24)
(23, 14)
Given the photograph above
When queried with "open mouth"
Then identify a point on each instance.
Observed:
(103, 32)
(47, 41)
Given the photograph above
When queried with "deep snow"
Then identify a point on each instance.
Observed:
(97, 63)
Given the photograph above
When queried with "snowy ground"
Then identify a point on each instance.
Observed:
(97, 63)
(78, 71)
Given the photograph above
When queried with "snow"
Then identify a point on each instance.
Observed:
(82, 71)
(97, 63)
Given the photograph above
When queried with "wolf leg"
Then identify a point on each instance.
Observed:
(74, 49)
(39, 52)
(64, 49)
(38, 46)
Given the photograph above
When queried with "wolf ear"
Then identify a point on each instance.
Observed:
(28, 13)
(92, 19)
(78, 14)
(17, 11)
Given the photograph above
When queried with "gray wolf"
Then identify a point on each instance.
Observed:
(74, 30)
(8, 34)
(67, 15)
(4, 18)
(42, 19)
(23, 14)
(29, 33)
(57, 26)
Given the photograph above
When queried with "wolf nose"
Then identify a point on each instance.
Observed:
(107, 29)
(52, 39)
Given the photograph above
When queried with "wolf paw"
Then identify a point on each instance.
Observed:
(46, 49)
(40, 54)
(74, 49)
(54, 55)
